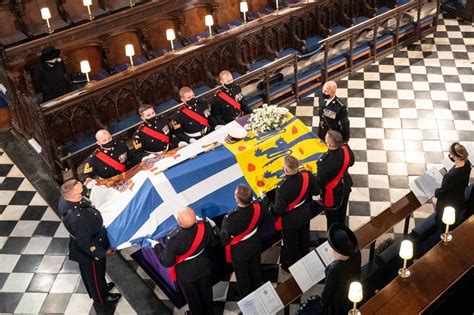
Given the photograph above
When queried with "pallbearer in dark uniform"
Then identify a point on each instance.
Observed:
(193, 119)
(154, 135)
(185, 256)
(228, 103)
(292, 207)
(110, 158)
(88, 244)
(239, 236)
(332, 113)
(334, 179)
(341, 272)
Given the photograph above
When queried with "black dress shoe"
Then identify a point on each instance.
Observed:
(113, 298)
(110, 286)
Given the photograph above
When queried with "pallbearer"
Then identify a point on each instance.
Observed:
(334, 179)
(228, 104)
(194, 118)
(154, 135)
(293, 209)
(242, 245)
(185, 256)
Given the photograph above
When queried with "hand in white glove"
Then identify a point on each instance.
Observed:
(218, 127)
(153, 242)
(212, 223)
(192, 140)
(150, 156)
(90, 183)
(182, 144)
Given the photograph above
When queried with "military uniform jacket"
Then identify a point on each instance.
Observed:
(88, 239)
(334, 116)
(235, 223)
(328, 168)
(189, 125)
(287, 192)
(179, 241)
(95, 167)
(224, 112)
(145, 142)
(339, 275)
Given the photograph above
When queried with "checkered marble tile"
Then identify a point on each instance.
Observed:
(36, 275)
(405, 111)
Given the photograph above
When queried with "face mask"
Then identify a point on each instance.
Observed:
(192, 101)
(151, 120)
(326, 96)
(108, 145)
(451, 157)
(230, 85)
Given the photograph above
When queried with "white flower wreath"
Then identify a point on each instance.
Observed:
(266, 118)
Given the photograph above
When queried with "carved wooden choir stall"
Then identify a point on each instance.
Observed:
(261, 47)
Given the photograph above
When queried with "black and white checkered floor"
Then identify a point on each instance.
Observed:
(404, 111)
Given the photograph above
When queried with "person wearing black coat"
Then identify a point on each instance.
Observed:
(345, 269)
(88, 244)
(334, 179)
(228, 102)
(333, 113)
(454, 184)
(294, 221)
(240, 227)
(52, 74)
(194, 272)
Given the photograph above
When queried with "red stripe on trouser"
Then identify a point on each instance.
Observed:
(96, 284)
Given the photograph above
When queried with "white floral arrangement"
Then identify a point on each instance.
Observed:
(266, 118)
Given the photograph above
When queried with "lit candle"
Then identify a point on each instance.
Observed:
(170, 36)
(406, 252)
(209, 21)
(355, 296)
(88, 3)
(449, 217)
(86, 68)
(244, 8)
(130, 52)
(46, 15)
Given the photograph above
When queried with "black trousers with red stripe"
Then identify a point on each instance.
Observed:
(93, 275)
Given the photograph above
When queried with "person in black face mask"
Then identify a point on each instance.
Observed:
(52, 79)
(154, 135)
(228, 103)
(110, 158)
(332, 113)
(451, 192)
(194, 118)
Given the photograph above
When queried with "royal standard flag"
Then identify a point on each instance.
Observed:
(204, 181)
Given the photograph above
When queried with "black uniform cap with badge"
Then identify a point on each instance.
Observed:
(343, 240)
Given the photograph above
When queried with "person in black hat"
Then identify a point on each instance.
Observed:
(52, 74)
(342, 271)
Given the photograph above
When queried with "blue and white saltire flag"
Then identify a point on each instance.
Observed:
(205, 183)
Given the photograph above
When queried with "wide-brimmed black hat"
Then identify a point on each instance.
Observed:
(342, 239)
(49, 52)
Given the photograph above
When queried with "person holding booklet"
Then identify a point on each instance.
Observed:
(238, 234)
(345, 269)
(451, 192)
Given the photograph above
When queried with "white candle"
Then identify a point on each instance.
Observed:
(129, 50)
(85, 66)
(170, 34)
(45, 14)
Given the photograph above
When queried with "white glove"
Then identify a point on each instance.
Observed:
(182, 144)
(218, 127)
(151, 156)
(192, 140)
(3, 89)
(91, 184)
(212, 223)
(153, 242)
